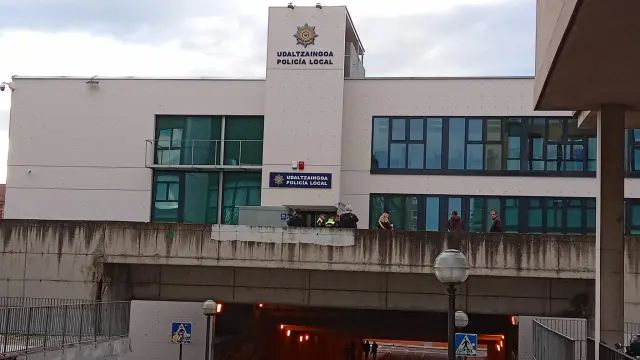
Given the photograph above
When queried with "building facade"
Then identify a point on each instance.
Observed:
(315, 133)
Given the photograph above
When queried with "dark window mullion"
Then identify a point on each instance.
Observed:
(444, 156)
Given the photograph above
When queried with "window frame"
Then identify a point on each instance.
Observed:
(525, 161)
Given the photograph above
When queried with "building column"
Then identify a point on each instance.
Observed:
(609, 296)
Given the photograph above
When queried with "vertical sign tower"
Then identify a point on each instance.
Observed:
(304, 101)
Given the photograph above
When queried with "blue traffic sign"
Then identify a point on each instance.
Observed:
(466, 344)
(181, 332)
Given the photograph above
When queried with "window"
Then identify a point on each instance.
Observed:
(518, 214)
(633, 217)
(243, 140)
(456, 143)
(187, 140)
(190, 197)
(527, 146)
(167, 197)
(239, 189)
(434, 143)
(380, 156)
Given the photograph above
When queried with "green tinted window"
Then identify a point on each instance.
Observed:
(166, 205)
(377, 207)
(187, 140)
(201, 198)
(476, 214)
(239, 189)
(243, 140)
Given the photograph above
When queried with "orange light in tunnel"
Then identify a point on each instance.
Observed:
(288, 332)
(501, 343)
(281, 326)
(498, 347)
(514, 320)
(301, 338)
(261, 305)
(219, 308)
(306, 337)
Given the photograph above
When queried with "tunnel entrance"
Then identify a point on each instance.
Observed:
(290, 332)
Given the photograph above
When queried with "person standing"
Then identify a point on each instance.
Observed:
(496, 225)
(384, 223)
(321, 220)
(366, 348)
(348, 219)
(455, 221)
(374, 350)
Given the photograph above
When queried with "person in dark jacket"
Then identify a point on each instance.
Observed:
(455, 221)
(384, 221)
(496, 225)
(348, 219)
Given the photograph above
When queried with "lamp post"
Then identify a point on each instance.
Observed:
(209, 309)
(451, 268)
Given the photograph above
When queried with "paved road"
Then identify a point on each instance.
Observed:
(413, 353)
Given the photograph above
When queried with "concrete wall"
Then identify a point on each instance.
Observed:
(78, 151)
(356, 290)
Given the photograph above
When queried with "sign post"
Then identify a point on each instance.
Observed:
(466, 344)
(181, 334)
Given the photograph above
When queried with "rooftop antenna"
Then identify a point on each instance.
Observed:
(290, 6)
(93, 81)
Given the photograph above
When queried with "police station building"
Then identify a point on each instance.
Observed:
(315, 133)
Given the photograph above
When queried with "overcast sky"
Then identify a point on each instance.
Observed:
(227, 38)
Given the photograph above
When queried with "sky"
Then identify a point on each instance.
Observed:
(227, 38)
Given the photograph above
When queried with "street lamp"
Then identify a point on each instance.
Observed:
(209, 309)
(461, 319)
(451, 268)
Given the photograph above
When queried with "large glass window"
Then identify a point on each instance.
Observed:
(434, 143)
(518, 214)
(187, 140)
(190, 197)
(239, 189)
(243, 140)
(516, 145)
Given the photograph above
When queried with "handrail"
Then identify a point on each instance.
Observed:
(196, 152)
(27, 329)
(549, 344)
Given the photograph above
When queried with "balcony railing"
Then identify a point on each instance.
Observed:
(28, 329)
(166, 153)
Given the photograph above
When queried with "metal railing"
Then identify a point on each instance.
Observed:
(549, 344)
(165, 152)
(6, 301)
(37, 328)
(574, 328)
(606, 352)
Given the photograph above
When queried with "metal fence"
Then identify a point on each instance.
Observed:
(549, 344)
(574, 328)
(30, 301)
(606, 352)
(36, 328)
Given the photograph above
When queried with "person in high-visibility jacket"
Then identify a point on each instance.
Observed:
(331, 222)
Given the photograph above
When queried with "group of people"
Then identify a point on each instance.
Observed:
(346, 219)
(369, 350)
(454, 224)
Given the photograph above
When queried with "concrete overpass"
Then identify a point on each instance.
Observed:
(511, 273)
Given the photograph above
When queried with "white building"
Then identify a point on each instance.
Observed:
(192, 150)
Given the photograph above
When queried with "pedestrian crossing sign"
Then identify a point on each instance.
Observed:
(466, 344)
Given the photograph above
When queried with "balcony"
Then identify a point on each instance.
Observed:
(203, 154)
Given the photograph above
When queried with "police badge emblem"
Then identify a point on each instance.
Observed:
(306, 35)
(279, 180)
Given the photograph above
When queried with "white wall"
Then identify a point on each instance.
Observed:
(303, 108)
(150, 330)
(367, 98)
(85, 145)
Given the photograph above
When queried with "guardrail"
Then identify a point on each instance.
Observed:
(549, 344)
(203, 153)
(36, 328)
(606, 352)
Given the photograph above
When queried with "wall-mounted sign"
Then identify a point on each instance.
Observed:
(305, 35)
(300, 180)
